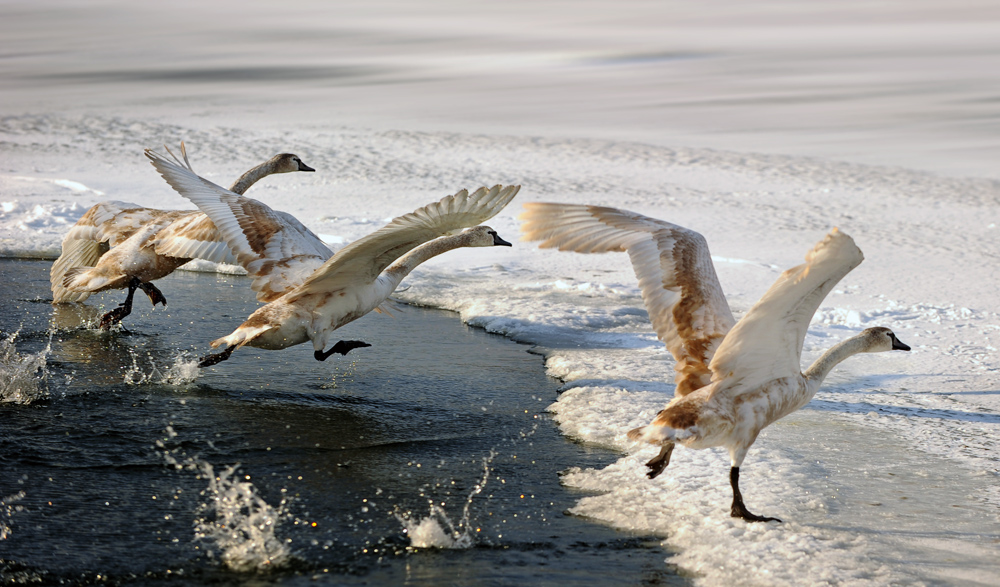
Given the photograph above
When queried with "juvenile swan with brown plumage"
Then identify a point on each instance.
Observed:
(116, 245)
(309, 297)
(732, 380)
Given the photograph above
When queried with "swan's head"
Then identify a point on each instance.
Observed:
(880, 339)
(483, 236)
(287, 163)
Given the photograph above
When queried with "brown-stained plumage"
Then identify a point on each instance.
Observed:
(258, 226)
(732, 380)
(115, 242)
(679, 286)
(310, 295)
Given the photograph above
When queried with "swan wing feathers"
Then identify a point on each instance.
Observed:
(766, 344)
(366, 258)
(268, 244)
(678, 282)
(104, 225)
(111, 222)
(193, 236)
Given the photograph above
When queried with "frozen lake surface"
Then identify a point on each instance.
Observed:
(762, 126)
(439, 415)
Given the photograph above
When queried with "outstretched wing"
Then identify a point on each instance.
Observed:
(275, 249)
(366, 258)
(678, 282)
(766, 344)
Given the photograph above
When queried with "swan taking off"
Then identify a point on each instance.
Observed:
(732, 380)
(145, 244)
(310, 295)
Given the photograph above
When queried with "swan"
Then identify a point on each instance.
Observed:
(309, 297)
(117, 245)
(733, 378)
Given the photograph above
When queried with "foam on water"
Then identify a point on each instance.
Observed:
(23, 377)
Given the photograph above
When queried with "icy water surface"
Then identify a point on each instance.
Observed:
(125, 466)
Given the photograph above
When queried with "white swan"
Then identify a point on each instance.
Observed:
(116, 245)
(311, 297)
(732, 381)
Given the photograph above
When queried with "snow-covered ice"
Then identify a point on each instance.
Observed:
(761, 126)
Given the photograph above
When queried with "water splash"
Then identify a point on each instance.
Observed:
(437, 529)
(7, 510)
(239, 523)
(182, 371)
(23, 377)
(234, 523)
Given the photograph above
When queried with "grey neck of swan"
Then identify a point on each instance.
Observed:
(241, 185)
(408, 262)
(833, 356)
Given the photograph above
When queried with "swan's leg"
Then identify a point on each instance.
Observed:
(658, 463)
(739, 510)
(209, 360)
(343, 347)
(155, 295)
(123, 309)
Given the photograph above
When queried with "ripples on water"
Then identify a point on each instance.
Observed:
(420, 462)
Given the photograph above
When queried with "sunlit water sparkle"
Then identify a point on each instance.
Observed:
(377, 469)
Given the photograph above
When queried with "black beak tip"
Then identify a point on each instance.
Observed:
(899, 346)
(304, 167)
(497, 241)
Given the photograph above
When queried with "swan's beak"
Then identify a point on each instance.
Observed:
(304, 167)
(499, 242)
(897, 345)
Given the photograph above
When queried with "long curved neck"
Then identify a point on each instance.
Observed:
(395, 273)
(833, 356)
(241, 185)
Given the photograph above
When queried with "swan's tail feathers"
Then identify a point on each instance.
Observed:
(242, 335)
(653, 434)
(63, 295)
(75, 253)
(86, 279)
(662, 436)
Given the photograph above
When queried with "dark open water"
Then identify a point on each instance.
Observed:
(421, 417)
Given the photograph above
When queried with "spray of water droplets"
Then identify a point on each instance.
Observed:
(234, 524)
(182, 371)
(437, 529)
(23, 377)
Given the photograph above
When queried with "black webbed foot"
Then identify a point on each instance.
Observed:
(750, 517)
(124, 309)
(114, 317)
(739, 510)
(343, 347)
(658, 463)
(216, 358)
(154, 294)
